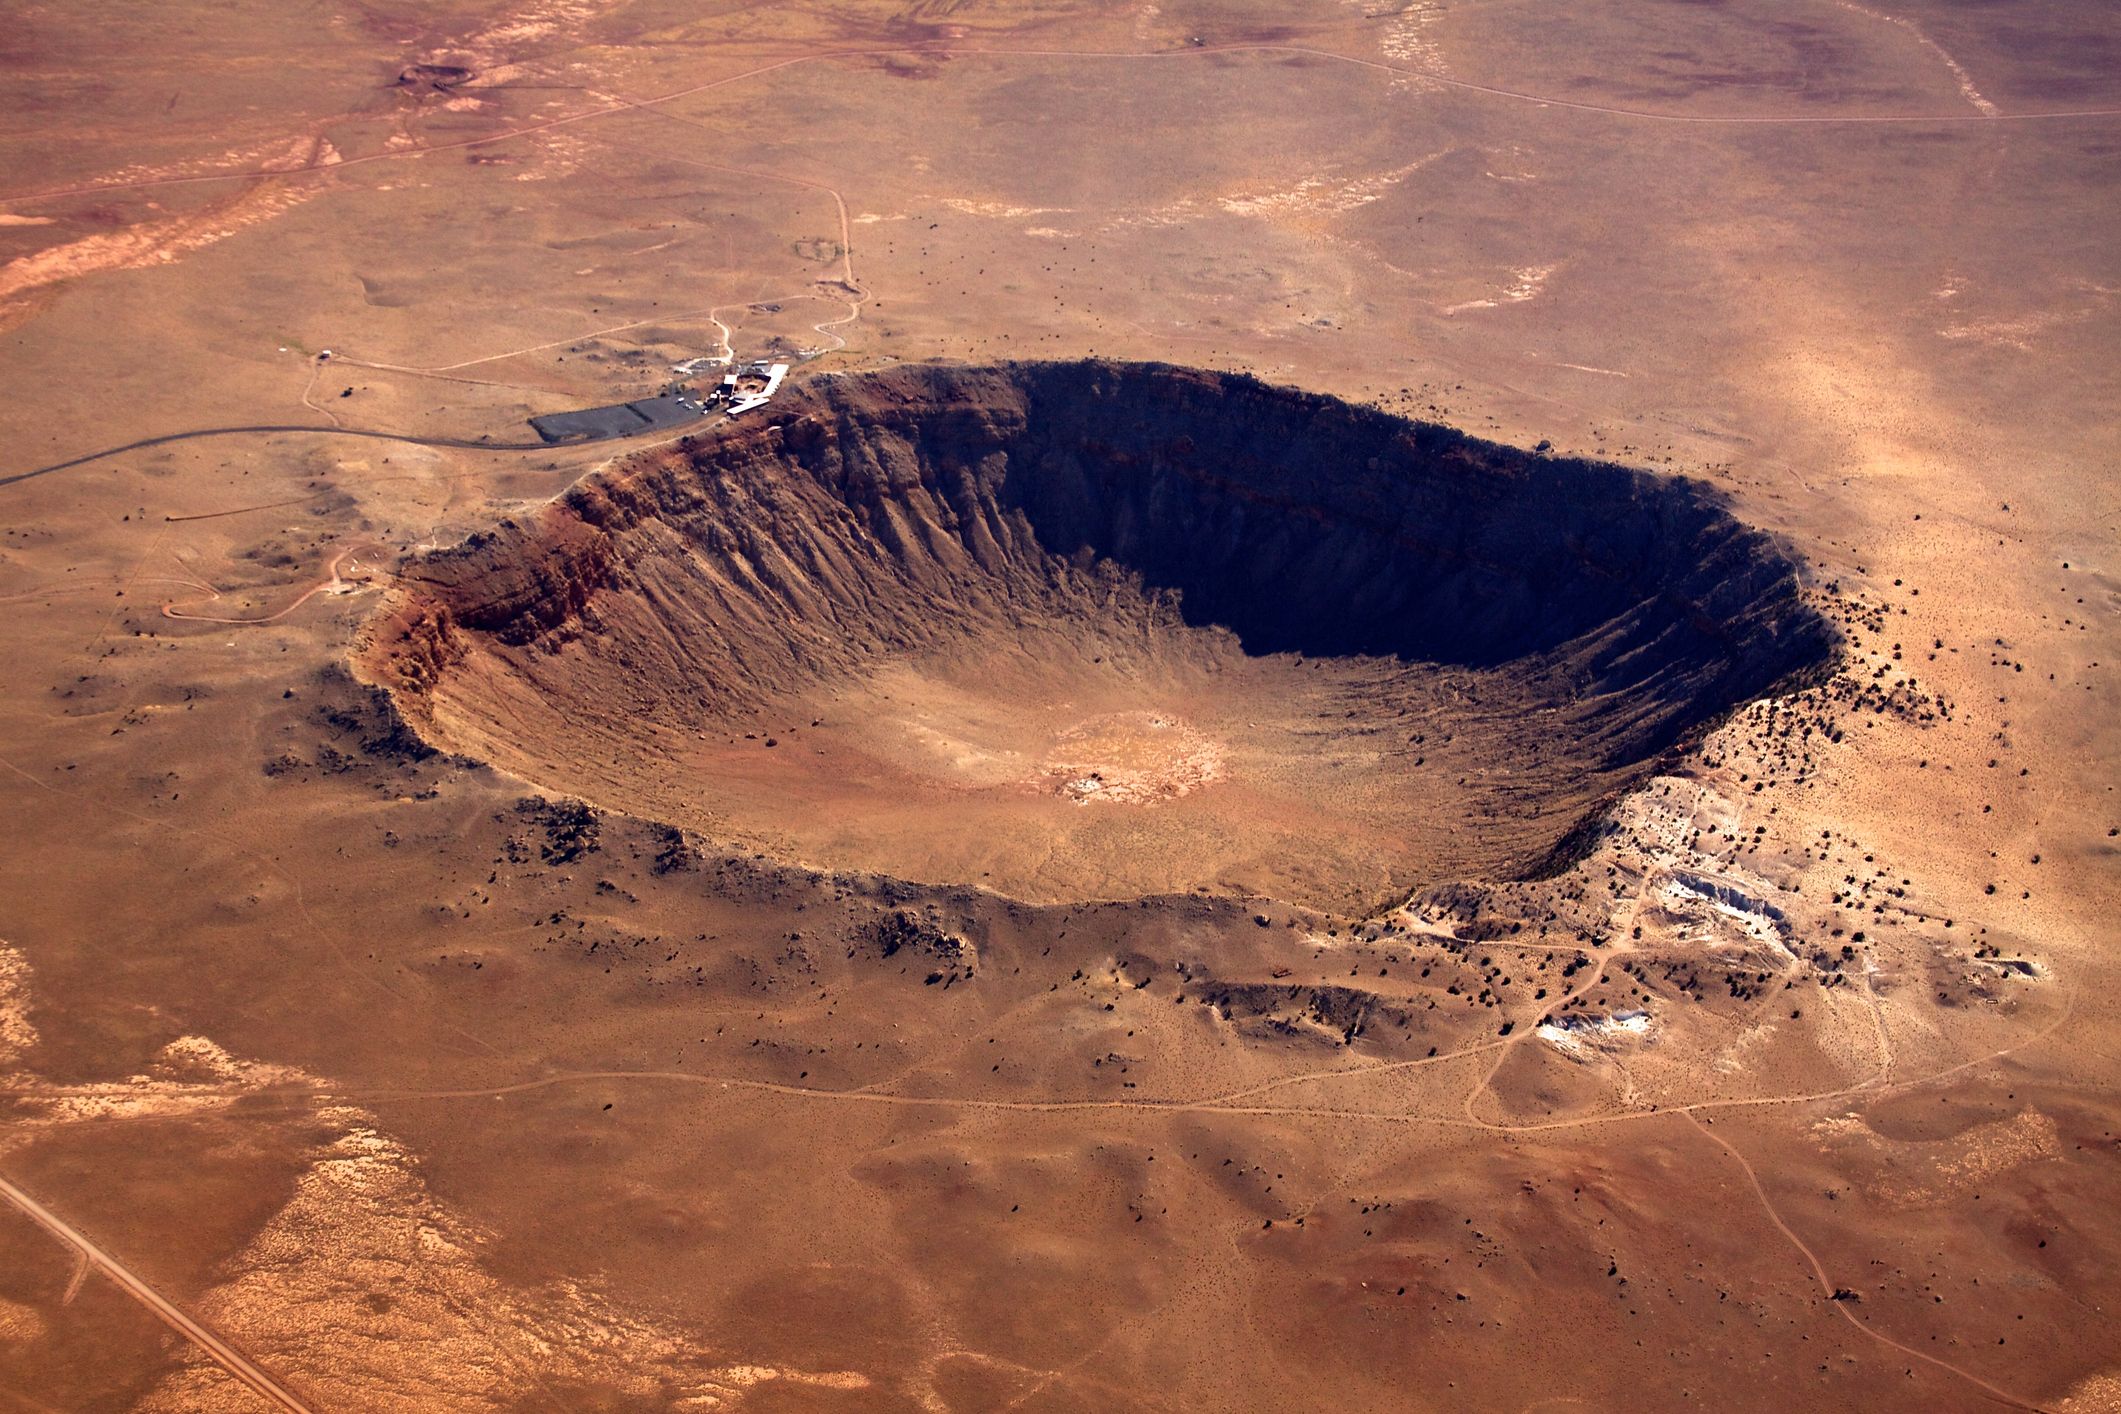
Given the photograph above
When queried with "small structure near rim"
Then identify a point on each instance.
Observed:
(744, 387)
(752, 385)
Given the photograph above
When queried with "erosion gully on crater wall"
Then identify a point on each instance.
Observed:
(1092, 630)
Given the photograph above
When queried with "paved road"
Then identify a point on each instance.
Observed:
(217, 1349)
(265, 427)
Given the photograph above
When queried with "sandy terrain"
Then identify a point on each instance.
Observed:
(1073, 1008)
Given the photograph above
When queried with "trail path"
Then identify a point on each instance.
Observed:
(1211, 1104)
(1826, 1283)
(331, 582)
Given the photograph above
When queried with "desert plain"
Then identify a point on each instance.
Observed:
(1409, 706)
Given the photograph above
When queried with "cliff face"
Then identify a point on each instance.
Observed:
(879, 518)
(885, 509)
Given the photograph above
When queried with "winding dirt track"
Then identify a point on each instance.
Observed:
(1211, 1104)
(330, 581)
(218, 1350)
(1826, 1284)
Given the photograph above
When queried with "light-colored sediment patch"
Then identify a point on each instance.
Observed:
(1706, 905)
(2017, 332)
(17, 1034)
(2098, 1394)
(365, 1291)
(561, 155)
(278, 155)
(1322, 196)
(1989, 1149)
(1526, 283)
(161, 242)
(1182, 212)
(368, 1292)
(489, 47)
(997, 210)
(1732, 1058)
(1405, 37)
(1407, 40)
(19, 1324)
(1530, 280)
(1563, 1041)
(1703, 899)
(1668, 811)
(197, 1060)
(1960, 76)
(1919, 1173)
(1580, 1037)
(191, 1075)
(1130, 758)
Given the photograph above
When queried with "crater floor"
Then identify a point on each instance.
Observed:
(1089, 630)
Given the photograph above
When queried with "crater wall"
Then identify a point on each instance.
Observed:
(1121, 627)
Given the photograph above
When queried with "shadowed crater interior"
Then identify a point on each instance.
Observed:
(1087, 630)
